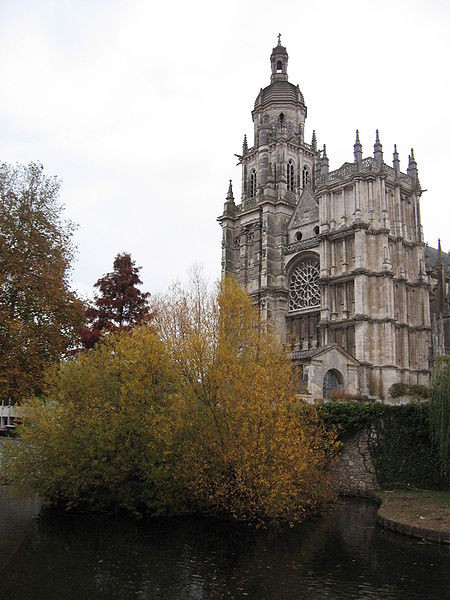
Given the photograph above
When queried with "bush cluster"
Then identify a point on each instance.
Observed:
(197, 414)
(416, 390)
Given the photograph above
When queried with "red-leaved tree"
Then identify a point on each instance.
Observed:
(119, 305)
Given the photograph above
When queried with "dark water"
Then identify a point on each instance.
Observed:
(343, 555)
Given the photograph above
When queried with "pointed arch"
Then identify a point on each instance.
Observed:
(305, 177)
(290, 175)
(253, 183)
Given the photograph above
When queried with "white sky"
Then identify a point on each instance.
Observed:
(139, 106)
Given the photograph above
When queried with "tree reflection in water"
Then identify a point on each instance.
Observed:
(342, 555)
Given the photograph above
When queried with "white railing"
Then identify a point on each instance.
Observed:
(8, 413)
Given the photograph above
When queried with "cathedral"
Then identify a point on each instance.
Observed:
(334, 260)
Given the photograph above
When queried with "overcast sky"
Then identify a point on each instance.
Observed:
(139, 106)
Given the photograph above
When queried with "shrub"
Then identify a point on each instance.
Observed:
(95, 442)
(398, 389)
(406, 389)
(200, 414)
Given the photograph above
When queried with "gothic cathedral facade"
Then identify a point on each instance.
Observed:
(333, 259)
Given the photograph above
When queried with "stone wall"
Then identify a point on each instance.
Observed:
(354, 473)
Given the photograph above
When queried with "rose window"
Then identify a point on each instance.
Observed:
(304, 291)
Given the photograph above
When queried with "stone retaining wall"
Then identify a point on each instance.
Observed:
(354, 473)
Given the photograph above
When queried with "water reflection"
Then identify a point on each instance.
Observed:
(342, 555)
(15, 515)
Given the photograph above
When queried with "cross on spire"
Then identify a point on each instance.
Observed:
(279, 39)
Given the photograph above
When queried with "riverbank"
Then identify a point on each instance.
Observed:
(417, 513)
(342, 555)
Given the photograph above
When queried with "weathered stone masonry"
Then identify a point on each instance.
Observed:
(335, 260)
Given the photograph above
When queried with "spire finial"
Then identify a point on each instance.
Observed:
(244, 145)
(412, 167)
(230, 197)
(378, 150)
(279, 39)
(357, 149)
(314, 141)
(324, 163)
(396, 161)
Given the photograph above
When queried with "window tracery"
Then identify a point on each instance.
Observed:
(304, 291)
(253, 184)
(290, 176)
(305, 177)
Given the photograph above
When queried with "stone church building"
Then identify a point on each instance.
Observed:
(335, 260)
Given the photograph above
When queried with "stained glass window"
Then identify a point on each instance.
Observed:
(304, 291)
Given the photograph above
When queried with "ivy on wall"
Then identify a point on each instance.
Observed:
(401, 448)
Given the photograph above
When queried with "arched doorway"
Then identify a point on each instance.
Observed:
(332, 380)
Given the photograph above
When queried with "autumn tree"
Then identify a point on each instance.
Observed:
(96, 441)
(250, 447)
(198, 413)
(119, 305)
(39, 314)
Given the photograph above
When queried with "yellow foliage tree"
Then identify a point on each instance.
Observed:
(94, 442)
(199, 413)
(251, 447)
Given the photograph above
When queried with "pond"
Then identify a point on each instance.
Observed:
(342, 555)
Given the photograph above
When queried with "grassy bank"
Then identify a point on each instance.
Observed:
(418, 510)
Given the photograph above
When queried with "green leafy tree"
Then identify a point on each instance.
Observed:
(440, 413)
(39, 314)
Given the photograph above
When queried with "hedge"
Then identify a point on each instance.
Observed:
(400, 444)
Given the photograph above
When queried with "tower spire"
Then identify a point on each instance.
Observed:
(324, 163)
(279, 62)
(396, 161)
(244, 146)
(230, 197)
(412, 167)
(378, 150)
(314, 141)
(357, 149)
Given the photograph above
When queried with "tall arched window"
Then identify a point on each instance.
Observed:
(305, 177)
(304, 291)
(290, 176)
(253, 184)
